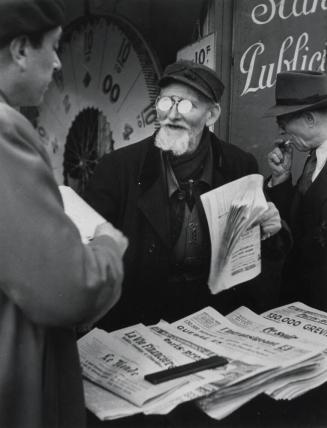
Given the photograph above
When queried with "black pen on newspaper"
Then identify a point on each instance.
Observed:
(186, 369)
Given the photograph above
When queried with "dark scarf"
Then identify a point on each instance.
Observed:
(190, 165)
(187, 169)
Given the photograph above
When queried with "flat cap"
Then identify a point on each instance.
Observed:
(19, 17)
(197, 76)
(298, 91)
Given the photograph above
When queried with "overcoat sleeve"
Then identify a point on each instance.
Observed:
(44, 267)
(282, 196)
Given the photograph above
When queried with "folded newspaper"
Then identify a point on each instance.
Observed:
(232, 211)
(81, 213)
(262, 357)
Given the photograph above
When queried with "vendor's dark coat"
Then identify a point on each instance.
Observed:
(305, 270)
(129, 190)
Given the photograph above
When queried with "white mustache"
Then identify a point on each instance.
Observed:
(170, 124)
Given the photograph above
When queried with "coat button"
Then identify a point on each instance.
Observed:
(180, 196)
(151, 248)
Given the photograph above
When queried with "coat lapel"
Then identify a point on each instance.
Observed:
(220, 174)
(316, 194)
(153, 201)
(306, 207)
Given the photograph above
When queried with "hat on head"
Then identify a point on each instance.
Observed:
(19, 17)
(298, 91)
(197, 76)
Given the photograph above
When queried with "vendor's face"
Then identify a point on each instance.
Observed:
(41, 64)
(181, 132)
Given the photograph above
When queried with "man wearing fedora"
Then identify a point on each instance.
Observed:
(150, 190)
(50, 282)
(301, 115)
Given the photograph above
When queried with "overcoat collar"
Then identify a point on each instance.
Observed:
(309, 205)
(3, 98)
(153, 200)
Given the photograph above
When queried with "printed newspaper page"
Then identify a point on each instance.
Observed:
(242, 343)
(221, 377)
(106, 405)
(306, 321)
(309, 325)
(161, 342)
(82, 214)
(114, 365)
(247, 346)
(119, 362)
(231, 212)
(298, 383)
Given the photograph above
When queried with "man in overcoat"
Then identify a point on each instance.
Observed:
(150, 190)
(301, 114)
(49, 281)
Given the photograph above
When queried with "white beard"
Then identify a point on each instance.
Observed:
(178, 142)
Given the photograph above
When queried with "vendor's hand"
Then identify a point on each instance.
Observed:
(109, 230)
(280, 163)
(270, 221)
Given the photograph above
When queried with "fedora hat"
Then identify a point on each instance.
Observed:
(298, 91)
(199, 77)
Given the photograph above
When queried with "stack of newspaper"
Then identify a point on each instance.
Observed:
(282, 352)
(262, 357)
(298, 323)
(232, 213)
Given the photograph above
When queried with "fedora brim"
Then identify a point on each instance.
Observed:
(280, 110)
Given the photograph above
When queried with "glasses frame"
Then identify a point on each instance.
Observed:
(175, 100)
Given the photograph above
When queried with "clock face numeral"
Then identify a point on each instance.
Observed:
(102, 98)
(88, 44)
(147, 116)
(43, 134)
(66, 103)
(128, 131)
(123, 54)
(109, 88)
(55, 145)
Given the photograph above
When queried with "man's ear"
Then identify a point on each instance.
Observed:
(213, 114)
(18, 51)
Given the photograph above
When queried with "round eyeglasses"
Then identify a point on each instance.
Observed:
(165, 104)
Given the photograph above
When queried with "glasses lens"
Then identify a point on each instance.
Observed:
(164, 103)
(184, 106)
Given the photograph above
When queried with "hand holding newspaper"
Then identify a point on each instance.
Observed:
(232, 211)
(89, 222)
(82, 214)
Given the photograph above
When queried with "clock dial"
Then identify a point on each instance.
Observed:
(101, 99)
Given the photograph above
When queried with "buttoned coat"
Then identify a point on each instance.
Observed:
(305, 270)
(129, 190)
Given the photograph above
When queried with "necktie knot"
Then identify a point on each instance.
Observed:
(305, 180)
